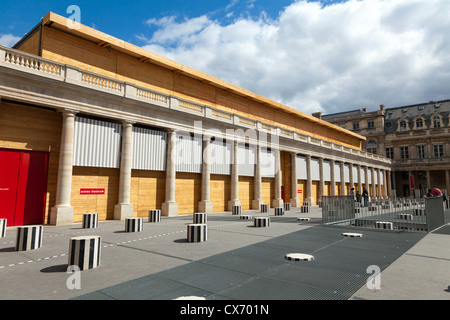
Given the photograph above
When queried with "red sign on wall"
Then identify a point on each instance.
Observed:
(300, 191)
(92, 191)
(411, 181)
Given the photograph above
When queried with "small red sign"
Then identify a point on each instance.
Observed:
(92, 191)
(300, 191)
(411, 181)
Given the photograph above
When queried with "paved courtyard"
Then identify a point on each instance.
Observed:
(237, 262)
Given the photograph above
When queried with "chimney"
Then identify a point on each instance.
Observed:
(382, 108)
(364, 109)
(317, 115)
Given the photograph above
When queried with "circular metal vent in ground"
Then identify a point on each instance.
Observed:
(353, 235)
(299, 257)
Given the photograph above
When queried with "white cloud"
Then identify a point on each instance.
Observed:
(312, 57)
(8, 40)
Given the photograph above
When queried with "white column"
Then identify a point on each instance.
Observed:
(352, 180)
(258, 201)
(234, 201)
(359, 179)
(278, 202)
(170, 207)
(380, 192)
(205, 205)
(385, 186)
(295, 201)
(374, 192)
(333, 179)
(342, 179)
(62, 212)
(124, 209)
(309, 196)
(322, 181)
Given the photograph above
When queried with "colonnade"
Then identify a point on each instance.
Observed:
(62, 213)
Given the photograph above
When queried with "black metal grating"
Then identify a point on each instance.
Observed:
(261, 272)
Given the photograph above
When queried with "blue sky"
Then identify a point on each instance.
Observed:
(322, 55)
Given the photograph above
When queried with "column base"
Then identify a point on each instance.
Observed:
(60, 216)
(295, 203)
(278, 203)
(311, 201)
(123, 211)
(205, 206)
(232, 203)
(256, 204)
(169, 209)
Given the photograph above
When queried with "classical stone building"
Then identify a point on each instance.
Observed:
(92, 124)
(416, 137)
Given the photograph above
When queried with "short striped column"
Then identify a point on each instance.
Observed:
(29, 238)
(384, 225)
(287, 206)
(306, 204)
(261, 222)
(154, 216)
(90, 220)
(134, 224)
(304, 209)
(197, 232)
(85, 251)
(3, 224)
(200, 218)
(420, 212)
(264, 208)
(405, 216)
(279, 211)
(236, 210)
(246, 217)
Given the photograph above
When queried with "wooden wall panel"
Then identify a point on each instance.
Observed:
(220, 192)
(103, 204)
(301, 185)
(327, 186)
(246, 192)
(148, 190)
(188, 192)
(315, 192)
(27, 128)
(268, 191)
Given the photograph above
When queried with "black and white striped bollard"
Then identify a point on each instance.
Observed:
(197, 232)
(279, 211)
(134, 224)
(287, 206)
(264, 208)
(90, 220)
(236, 210)
(154, 216)
(84, 252)
(384, 225)
(261, 222)
(3, 224)
(200, 218)
(29, 238)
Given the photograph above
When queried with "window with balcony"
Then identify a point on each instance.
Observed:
(438, 150)
(421, 151)
(371, 147)
(390, 152)
(404, 153)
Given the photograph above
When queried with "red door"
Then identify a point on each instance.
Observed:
(23, 186)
